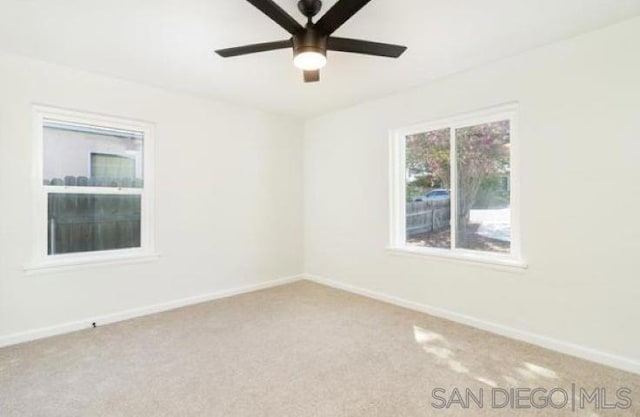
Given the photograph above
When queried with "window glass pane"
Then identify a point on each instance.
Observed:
(428, 205)
(90, 156)
(483, 194)
(92, 222)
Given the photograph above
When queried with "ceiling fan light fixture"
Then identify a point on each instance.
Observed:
(311, 42)
(310, 60)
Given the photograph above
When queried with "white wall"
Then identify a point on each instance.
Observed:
(580, 158)
(228, 198)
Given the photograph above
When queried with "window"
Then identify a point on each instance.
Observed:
(112, 166)
(452, 191)
(93, 191)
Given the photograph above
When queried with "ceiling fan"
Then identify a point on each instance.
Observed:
(311, 42)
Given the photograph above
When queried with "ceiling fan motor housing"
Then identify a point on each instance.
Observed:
(310, 40)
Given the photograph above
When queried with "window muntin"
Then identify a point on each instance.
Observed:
(452, 189)
(94, 188)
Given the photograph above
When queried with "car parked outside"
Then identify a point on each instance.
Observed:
(439, 194)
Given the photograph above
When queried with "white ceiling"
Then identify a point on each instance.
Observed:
(170, 43)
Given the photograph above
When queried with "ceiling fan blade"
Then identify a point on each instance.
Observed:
(278, 15)
(365, 47)
(311, 76)
(256, 47)
(338, 14)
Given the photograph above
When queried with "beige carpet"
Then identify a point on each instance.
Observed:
(298, 350)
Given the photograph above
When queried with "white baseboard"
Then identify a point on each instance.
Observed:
(589, 354)
(593, 355)
(86, 323)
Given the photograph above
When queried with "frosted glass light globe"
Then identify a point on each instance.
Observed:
(310, 61)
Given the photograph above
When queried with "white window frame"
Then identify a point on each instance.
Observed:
(41, 260)
(397, 195)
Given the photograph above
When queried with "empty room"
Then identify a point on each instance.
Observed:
(306, 208)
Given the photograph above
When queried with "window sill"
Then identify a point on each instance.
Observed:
(70, 263)
(496, 262)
